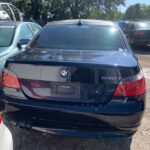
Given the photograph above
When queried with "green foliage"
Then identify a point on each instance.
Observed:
(138, 12)
(145, 12)
(95, 14)
(48, 10)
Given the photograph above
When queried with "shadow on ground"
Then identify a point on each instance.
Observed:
(32, 140)
(141, 49)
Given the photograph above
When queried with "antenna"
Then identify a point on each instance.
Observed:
(79, 22)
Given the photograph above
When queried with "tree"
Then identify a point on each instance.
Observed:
(49, 10)
(138, 12)
(145, 12)
(134, 12)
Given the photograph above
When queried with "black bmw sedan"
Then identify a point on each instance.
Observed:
(138, 33)
(76, 78)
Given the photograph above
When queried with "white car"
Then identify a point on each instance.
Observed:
(4, 16)
(6, 142)
(11, 11)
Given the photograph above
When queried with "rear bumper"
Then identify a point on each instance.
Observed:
(139, 42)
(114, 120)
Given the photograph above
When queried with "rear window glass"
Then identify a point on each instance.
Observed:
(142, 25)
(6, 35)
(84, 37)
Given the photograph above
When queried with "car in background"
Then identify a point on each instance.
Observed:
(4, 16)
(76, 78)
(6, 140)
(14, 36)
(122, 24)
(138, 33)
(10, 12)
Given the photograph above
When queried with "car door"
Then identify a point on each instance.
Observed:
(25, 33)
(34, 27)
(22, 32)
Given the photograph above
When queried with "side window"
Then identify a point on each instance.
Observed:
(1, 9)
(8, 11)
(129, 26)
(132, 26)
(25, 32)
(35, 28)
(16, 12)
(126, 27)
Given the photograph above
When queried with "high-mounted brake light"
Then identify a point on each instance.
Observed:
(131, 88)
(9, 80)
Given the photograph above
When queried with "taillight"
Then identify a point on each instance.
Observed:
(131, 88)
(10, 80)
(139, 33)
(0, 119)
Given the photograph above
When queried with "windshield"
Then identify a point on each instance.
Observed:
(75, 37)
(6, 35)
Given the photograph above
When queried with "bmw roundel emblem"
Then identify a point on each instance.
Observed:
(64, 72)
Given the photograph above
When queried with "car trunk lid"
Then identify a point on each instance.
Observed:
(89, 79)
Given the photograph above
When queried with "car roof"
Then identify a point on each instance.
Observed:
(137, 22)
(4, 3)
(12, 23)
(82, 21)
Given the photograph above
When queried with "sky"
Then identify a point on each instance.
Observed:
(132, 2)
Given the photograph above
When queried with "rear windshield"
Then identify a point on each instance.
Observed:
(6, 35)
(84, 37)
(142, 25)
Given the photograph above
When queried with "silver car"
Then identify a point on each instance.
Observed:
(13, 13)
(14, 36)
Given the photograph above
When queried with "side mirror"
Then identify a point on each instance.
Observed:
(22, 42)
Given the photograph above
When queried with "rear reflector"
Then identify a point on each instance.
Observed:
(10, 80)
(133, 88)
(0, 119)
(139, 33)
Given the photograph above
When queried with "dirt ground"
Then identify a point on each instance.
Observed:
(141, 140)
(24, 140)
